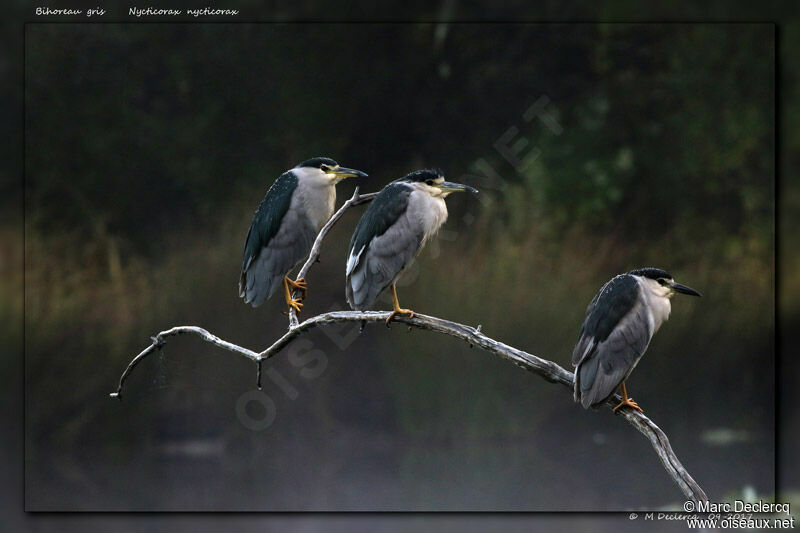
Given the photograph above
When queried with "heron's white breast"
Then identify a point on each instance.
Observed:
(315, 195)
(657, 301)
(429, 211)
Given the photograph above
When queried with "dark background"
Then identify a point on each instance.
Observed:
(149, 146)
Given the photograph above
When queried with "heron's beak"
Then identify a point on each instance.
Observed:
(677, 287)
(342, 173)
(449, 186)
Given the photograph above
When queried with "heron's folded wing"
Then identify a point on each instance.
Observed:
(612, 302)
(386, 240)
(381, 213)
(267, 218)
(612, 360)
(390, 253)
(268, 255)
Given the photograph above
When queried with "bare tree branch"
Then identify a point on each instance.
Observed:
(548, 370)
(159, 341)
(313, 256)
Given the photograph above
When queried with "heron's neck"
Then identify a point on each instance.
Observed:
(317, 193)
(657, 298)
(430, 210)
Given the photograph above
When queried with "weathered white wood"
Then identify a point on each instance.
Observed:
(160, 339)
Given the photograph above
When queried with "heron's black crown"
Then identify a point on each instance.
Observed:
(423, 175)
(652, 273)
(317, 162)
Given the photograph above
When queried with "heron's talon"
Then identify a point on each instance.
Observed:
(399, 311)
(298, 285)
(630, 403)
(297, 305)
(289, 286)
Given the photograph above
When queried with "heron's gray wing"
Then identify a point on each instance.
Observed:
(379, 216)
(614, 336)
(586, 342)
(386, 240)
(612, 302)
(278, 238)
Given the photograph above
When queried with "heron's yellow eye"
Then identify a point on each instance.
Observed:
(324, 168)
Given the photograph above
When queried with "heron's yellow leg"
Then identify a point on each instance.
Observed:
(397, 309)
(291, 302)
(627, 401)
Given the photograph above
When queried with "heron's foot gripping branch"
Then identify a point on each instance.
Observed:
(299, 284)
(625, 400)
(630, 403)
(396, 305)
(399, 311)
(288, 288)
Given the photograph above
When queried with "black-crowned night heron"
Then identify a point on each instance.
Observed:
(394, 228)
(284, 227)
(620, 321)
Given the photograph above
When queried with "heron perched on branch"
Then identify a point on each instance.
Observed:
(620, 321)
(391, 233)
(284, 227)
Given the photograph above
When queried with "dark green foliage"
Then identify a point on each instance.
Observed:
(151, 129)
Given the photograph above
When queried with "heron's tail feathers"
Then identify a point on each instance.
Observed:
(258, 283)
(357, 295)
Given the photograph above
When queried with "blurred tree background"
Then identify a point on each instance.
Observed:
(598, 148)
